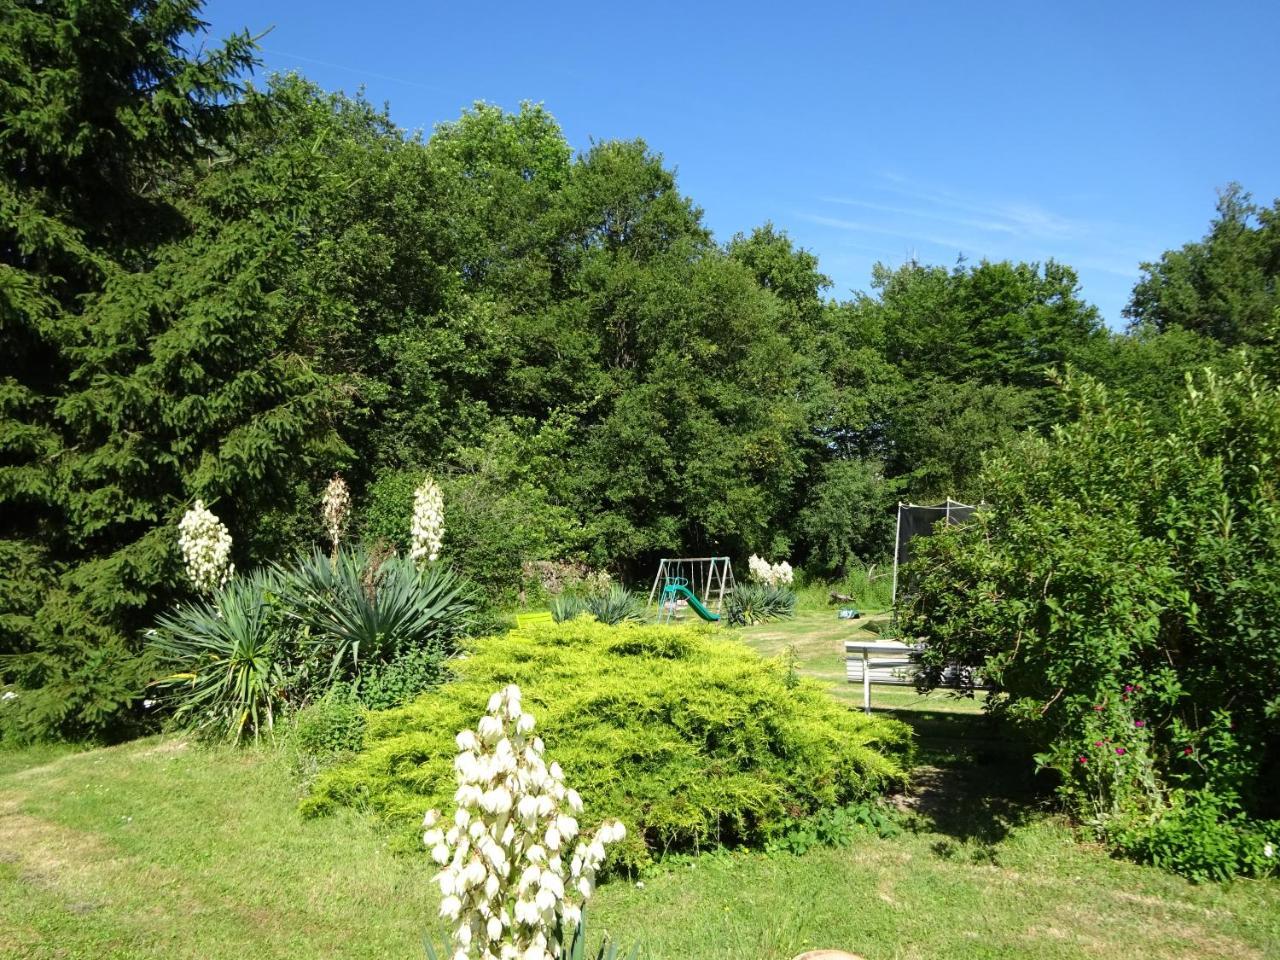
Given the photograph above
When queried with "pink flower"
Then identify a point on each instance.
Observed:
(1097, 743)
(1139, 724)
(1128, 688)
(1083, 759)
(1120, 751)
(1188, 750)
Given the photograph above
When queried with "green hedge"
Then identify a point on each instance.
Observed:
(691, 740)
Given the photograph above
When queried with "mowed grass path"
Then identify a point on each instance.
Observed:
(166, 849)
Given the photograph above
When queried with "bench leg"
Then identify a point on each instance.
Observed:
(866, 682)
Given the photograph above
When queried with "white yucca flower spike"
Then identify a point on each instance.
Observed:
(514, 866)
(335, 507)
(427, 533)
(205, 543)
(771, 574)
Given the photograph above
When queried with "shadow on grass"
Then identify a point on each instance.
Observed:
(974, 783)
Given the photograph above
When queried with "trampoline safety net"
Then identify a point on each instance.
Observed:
(919, 520)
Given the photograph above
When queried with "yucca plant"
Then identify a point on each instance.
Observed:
(615, 605)
(225, 656)
(749, 603)
(567, 606)
(359, 610)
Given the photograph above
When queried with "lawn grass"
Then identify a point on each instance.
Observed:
(166, 849)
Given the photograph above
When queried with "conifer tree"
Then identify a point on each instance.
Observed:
(103, 111)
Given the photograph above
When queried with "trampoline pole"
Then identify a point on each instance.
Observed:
(897, 546)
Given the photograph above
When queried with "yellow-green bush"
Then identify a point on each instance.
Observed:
(691, 740)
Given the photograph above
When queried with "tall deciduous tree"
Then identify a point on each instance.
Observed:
(1227, 285)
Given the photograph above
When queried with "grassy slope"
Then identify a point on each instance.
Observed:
(160, 849)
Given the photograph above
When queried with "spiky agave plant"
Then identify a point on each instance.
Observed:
(567, 606)
(749, 603)
(225, 658)
(359, 610)
(615, 605)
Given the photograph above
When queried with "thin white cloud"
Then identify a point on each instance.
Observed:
(995, 229)
(993, 226)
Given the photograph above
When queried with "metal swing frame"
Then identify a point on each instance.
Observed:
(716, 576)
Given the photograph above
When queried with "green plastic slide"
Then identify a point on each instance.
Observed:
(698, 608)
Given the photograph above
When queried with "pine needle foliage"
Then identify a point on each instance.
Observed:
(104, 110)
(692, 741)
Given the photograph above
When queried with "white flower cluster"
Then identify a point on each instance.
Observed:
(334, 508)
(770, 574)
(206, 548)
(427, 533)
(511, 871)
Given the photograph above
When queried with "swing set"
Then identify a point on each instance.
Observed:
(695, 583)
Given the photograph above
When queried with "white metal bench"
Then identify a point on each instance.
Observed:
(894, 663)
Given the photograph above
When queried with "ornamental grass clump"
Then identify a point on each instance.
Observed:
(691, 740)
(515, 868)
(205, 543)
(426, 535)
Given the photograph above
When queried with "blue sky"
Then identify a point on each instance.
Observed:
(1094, 133)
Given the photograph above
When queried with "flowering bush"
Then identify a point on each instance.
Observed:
(427, 533)
(770, 574)
(515, 871)
(205, 543)
(1138, 778)
(335, 507)
(1122, 593)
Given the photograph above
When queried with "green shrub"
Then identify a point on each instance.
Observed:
(691, 740)
(1123, 591)
(838, 827)
(359, 611)
(381, 686)
(224, 658)
(332, 726)
(749, 603)
(1201, 838)
(386, 514)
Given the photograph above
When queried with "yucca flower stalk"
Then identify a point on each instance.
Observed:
(427, 533)
(770, 574)
(335, 508)
(515, 872)
(205, 543)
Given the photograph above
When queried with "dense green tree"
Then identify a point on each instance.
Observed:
(1227, 285)
(226, 293)
(1152, 366)
(847, 515)
(971, 350)
(104, 113)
